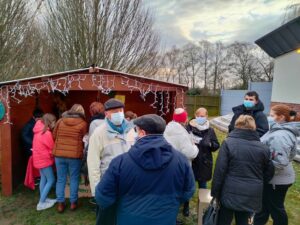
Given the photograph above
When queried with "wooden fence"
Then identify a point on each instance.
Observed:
(211, 103)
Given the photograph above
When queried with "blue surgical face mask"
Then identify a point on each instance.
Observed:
(201, 120)
(117, 118)
(271, 121)
(249, 104)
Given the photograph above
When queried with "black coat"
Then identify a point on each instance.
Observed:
(27, 136)
(242, 167)
(203, 163)
(257, 112)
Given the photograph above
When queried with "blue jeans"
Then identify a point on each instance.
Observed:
(46, 182)
(64, 167)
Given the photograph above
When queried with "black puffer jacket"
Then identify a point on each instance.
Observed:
(257, 113)
(203, 163)
(242, 167)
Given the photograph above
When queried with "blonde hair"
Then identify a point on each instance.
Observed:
(245, 122)
(201, 109)
(77, 108)
(48, 119)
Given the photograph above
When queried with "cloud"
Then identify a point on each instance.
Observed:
(180, 21)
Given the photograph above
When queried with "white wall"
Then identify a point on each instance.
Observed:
(286, 83)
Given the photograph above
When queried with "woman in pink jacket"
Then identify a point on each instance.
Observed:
(43, 160)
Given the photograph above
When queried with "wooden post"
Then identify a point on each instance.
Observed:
(204, 199)
(6, 160)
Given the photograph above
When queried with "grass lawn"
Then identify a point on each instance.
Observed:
(20, 208)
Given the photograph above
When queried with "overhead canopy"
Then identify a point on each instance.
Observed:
(282, 40)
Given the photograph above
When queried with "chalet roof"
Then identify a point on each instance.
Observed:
(282, 40)
(86, 70)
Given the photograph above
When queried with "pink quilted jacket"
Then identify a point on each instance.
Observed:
(42, 146)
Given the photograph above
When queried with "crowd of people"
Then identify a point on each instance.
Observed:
(140, 169)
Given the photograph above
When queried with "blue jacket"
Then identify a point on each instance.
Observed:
(148, 183)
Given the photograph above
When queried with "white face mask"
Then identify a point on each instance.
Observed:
(117, 118)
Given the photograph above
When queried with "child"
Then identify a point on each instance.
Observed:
(43, 160)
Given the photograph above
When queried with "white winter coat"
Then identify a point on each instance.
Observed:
(181, 140)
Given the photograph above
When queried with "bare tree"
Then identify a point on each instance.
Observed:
(205, 59)
(291, 12)
(113, 34)
(266, 65)
(219, 65)
(169, 65)
(191, 63)
(14, 21)
(242, 62)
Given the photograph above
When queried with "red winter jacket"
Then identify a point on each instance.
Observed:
(42, 146)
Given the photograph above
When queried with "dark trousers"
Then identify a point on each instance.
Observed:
(107, 216)
(273, 204)
(202, 184)
(226, 217)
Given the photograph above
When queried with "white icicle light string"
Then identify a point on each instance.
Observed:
(103, 83)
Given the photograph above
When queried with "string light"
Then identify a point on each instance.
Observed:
(162, 104)
(102, 82)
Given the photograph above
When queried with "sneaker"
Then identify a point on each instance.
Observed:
(92, 201)
(51, 200)
(37, 182)
(44, 205)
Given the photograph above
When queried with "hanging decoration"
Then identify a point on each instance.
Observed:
(2, 111)
(103, 83)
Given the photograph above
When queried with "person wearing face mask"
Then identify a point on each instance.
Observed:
(282, 142)
(252, 106)
(112, 138)
(149, 182)
(207, 142)
(178, 136)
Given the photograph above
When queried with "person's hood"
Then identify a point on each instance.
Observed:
(174, 128)
(257, 108)
(250, 135)
(293, 127)
(72, 119)
(38, 127)
(152, 152)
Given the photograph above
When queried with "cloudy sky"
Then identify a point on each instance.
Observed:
(180, 21)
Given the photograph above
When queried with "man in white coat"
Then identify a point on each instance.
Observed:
(112, 138)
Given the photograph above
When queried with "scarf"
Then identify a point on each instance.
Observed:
(201, 127)
(120, 129)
